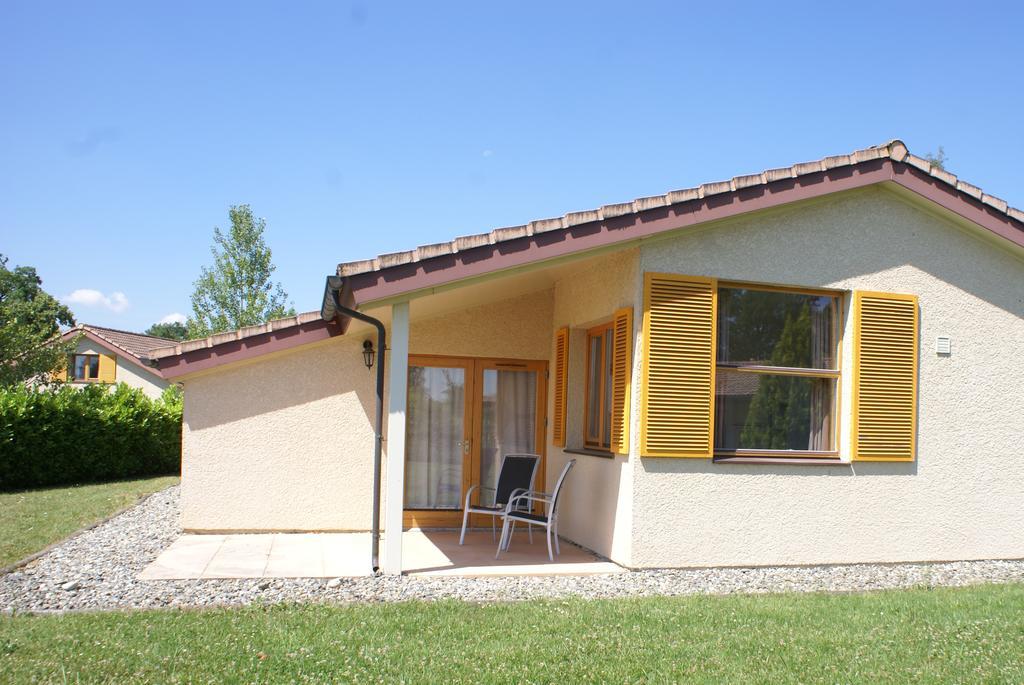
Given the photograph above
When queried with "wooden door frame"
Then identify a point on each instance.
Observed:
(475, 366)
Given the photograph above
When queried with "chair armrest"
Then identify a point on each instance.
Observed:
(515, 493)
(527, 497)
(469, 494)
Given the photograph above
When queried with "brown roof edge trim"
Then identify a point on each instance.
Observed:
(247, 348)
(402, 279)
(106, 344)
(441, 270)
(960, 203)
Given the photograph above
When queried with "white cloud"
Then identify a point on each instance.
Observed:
(174, 317)
(117, 302)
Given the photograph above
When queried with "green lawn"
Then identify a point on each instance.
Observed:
(32, 519)
(944, 635)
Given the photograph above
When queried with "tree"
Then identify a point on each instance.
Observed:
(781, 404)
(937, 159)
(30, 320)
(172, 330)
(237, 290)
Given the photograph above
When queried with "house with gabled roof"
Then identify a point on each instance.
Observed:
(821, 363)
(109, 355)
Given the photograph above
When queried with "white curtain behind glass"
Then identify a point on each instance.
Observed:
(434, 429)
(508, 424)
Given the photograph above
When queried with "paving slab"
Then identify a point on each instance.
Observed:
(336, 555)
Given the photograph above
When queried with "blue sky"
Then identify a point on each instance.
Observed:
(127, 129)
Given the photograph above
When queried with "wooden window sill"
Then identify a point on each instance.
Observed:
(589, 452)
(797, 461)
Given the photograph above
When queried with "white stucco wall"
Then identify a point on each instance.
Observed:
(285, 442)
(514, 328)
(137, 377)
(961, 499)
(127, 372)
(596, 508)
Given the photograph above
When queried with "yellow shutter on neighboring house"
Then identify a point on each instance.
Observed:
(884, 376)
(622, 367)
(678, 386)
(108, 368)
(62, 374)
(561, 375)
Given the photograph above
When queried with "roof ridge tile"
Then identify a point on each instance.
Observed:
(894, 149)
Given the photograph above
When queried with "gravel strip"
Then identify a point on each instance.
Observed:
(97, 570)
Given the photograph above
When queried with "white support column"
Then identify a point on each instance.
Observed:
(394, 486)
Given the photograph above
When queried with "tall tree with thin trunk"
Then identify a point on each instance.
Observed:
(237, 290)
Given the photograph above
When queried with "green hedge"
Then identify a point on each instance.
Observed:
(66, 435)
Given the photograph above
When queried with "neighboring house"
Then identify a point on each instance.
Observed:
(107, 355)
(816, 364)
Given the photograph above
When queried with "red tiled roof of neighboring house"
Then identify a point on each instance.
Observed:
(137, 344)
(137, 347)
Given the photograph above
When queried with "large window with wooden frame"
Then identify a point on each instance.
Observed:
(597, 419)
(777, 371)
(85, 367)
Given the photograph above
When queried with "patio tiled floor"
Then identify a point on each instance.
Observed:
(332, 555)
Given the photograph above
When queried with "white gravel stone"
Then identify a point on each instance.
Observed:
(98, 570)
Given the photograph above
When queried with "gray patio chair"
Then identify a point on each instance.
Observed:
(515, 476)
(518, 509)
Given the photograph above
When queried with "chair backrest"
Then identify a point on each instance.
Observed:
(517, 471)
(558, 487)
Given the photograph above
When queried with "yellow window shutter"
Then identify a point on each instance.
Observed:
(560, 378)
(622, 366)
(61, 374)
(678, 386)
(884, 376)
(108, 368)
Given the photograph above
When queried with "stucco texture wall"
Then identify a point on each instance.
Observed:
(513, 328)
(961, 499)
(596, 509)
(137, 377)
(285, 442)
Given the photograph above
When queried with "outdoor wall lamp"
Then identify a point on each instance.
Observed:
(369, 354)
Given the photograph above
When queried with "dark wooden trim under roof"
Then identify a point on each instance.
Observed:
(400, 274)
(432, 272)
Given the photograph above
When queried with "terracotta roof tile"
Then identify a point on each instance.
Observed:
(545, 225)
(895, 150)
(135, 344)
(173, 349)
(715, 188)
(620, 209)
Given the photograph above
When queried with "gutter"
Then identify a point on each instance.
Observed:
(333, 308)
